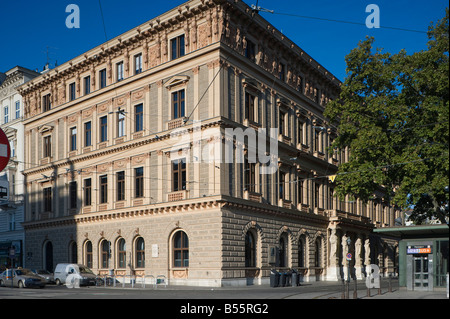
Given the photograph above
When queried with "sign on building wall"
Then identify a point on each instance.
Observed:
(419, 249)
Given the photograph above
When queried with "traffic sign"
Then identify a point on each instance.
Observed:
(5, 150)
(349, 256)
(12, 253)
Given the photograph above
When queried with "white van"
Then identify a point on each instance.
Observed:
(77, 271)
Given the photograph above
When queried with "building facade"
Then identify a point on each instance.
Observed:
(11, 179)
(113, 139)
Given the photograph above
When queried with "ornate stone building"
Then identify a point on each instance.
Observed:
(110, 184)
(11, 179)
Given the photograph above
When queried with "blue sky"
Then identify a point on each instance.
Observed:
(29, 27)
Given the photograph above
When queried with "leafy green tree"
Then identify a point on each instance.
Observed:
(393, 115)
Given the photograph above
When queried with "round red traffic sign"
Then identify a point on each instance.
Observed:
(5, 150)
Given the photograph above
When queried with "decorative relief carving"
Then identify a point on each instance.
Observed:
(120, 164)
(102, 168)
(138, 95)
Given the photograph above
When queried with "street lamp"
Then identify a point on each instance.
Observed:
(349, 241)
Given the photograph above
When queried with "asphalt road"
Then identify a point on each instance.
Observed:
(310, 291)
(199, 302)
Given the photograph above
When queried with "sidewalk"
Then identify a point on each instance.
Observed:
(307, 290)
(337, 292)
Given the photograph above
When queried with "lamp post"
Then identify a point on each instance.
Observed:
(349, 241)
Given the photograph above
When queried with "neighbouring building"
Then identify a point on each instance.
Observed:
(11, 179)
(112, 174)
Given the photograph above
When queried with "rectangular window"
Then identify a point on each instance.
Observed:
(177, 47)
(103, 129)
(102, 78)
(6, 114)
(120, 124)
(300, 137)
(178, 175)
(47, 146)
(88, 192)
(17, 109)
(316, 141)
(138, 63)
(46, 103)
(73, 138)
(178, 104)
(250, 101)
(282, 74)
(250, 51)
(87, 134)
(250, 176)
(72, 91)
(73, 195)
(282, 186)
(331, 199)
(139, 118)
(300, 84)
(103, 189)
(120, 186)
(300, 184)
(119, 69)
(316, 195)
(47, 199)
(87, 85)
(139, 182)
(283, 124)
(12, 221)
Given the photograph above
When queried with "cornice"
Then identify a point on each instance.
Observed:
(166, 208)
(127, 213)
(114, 149)
(151, 30)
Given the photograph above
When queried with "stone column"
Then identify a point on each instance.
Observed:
(345, 263)
(358, 258)
(367, 254)
(333, 271)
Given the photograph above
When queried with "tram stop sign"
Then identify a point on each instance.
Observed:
(5, 150)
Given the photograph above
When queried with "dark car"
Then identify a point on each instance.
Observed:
(21, 278)
(45, 274)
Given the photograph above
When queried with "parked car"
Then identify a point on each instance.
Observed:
(21, 278)
(45, 274)
(77, 272)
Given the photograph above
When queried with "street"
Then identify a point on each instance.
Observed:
(313, 290)
(181, 302)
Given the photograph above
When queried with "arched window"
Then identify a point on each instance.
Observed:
(140, 253)
(250, 250)
(283, 251)
(48, 256)
(73, 252)
(318, 253)
(301, 253)
(122, 254)
(180, 249)
(88, 254)
(105, 246)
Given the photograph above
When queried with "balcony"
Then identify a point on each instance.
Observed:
(252, 196)
(176, 123)
(285, 203)
(285, 139)
(177, 196)
(341, 214)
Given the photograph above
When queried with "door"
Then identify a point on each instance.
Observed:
(421, 273)
(48, 257)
